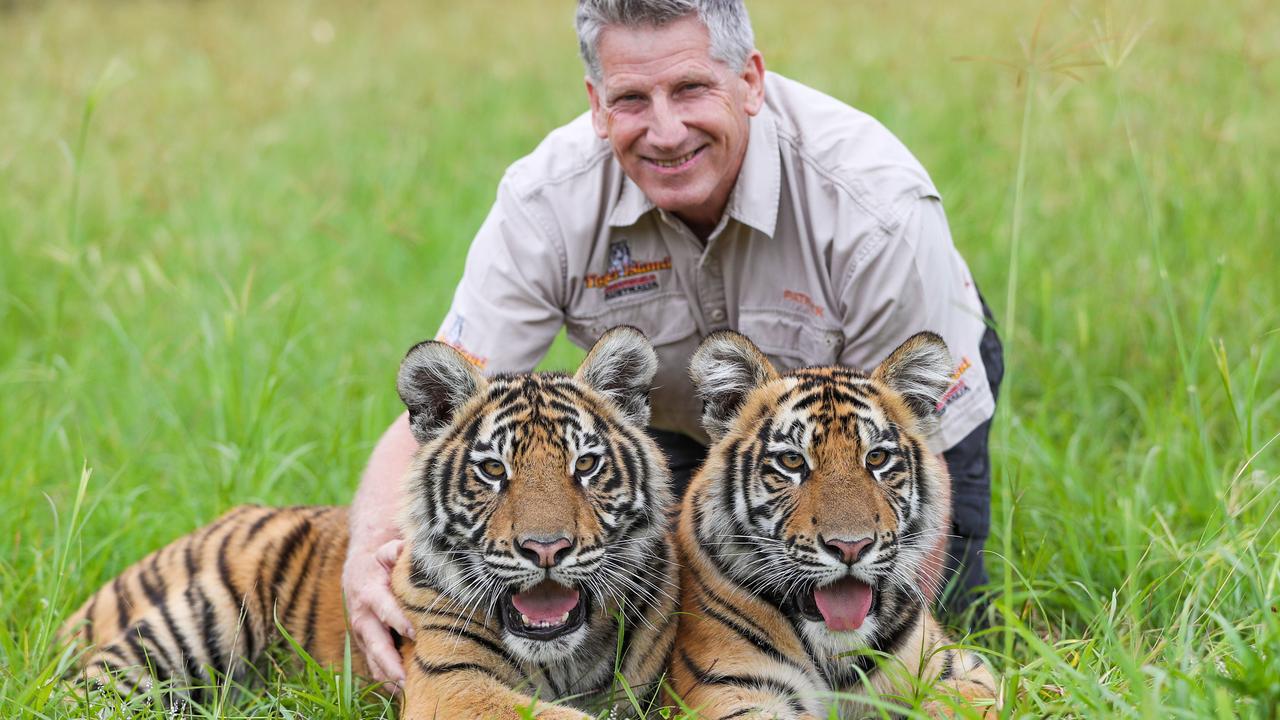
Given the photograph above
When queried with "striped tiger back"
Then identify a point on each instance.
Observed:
(804, 537)
(206, 604)
(537, 565)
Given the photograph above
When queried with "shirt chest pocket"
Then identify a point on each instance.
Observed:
(664, 319)
(789, 341)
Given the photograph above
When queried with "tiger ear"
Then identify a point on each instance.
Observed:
(434, 381)
(725, 368)
(621, 366)
(920, 372)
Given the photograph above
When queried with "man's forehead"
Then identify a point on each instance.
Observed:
(637, 53)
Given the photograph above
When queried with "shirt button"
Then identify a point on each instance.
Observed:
(717, 315)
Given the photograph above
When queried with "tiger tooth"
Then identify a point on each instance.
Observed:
(564, 618)
(526, 619)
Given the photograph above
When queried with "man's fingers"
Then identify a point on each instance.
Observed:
(388, 554)
(373, 608)
(378, 672)
(388, 611)
(380, 654)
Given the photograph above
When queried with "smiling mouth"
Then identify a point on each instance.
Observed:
(545, 611)
(678, 162)
(843, 605)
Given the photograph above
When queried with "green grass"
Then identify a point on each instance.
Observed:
(221, 224)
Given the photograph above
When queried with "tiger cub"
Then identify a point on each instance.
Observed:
(537, 558)
(802, 538)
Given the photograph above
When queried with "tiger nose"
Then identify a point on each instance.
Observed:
(850, 551)
(546, 553)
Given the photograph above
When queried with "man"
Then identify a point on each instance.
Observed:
(699, 194)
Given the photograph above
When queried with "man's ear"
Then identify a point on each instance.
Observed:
(725, 369)
(920, 372)
(599, 115)
(621, 366)
(434, 381)
(753, 76)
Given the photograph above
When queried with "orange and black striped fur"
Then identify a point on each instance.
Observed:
(803, 537)
(536, 520)
(211, 600)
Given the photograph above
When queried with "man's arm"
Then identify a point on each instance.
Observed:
(505, 313)
(372, 550)
(918, 281)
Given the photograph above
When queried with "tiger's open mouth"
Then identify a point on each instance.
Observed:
(545, 611)
(843, 605)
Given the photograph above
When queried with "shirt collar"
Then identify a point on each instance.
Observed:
(754, 200)
(632, 203)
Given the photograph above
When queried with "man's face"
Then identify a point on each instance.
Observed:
(677, 118)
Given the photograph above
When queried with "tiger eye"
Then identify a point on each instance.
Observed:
(586, 463)
(494, 468)
(791, 460)
(876, 458)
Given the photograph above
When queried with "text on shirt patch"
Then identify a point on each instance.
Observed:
(626, 276)
(959, 388)
(803, 300)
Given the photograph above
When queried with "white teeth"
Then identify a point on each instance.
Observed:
(529, 622)
(673, 163)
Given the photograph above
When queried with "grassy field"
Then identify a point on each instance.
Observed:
(221, 224)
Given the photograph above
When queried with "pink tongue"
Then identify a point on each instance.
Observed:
(546, 602)
(844, 604)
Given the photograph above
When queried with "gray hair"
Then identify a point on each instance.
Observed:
(726, 20)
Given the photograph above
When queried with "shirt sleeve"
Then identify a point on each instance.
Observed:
(508, 305)
(918, 281)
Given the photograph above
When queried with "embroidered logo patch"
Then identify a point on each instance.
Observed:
(451, 335)
(626, 276)
(803, 300)
(959, 388)
(619, 256)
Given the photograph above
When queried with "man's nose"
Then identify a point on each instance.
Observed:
(666, 127)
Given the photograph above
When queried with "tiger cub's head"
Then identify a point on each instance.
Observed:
(537, 499)
(819, 493)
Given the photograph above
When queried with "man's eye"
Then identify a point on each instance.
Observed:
(791, 460)
(877, 458)
(493, 469)
(689, 87)
(586, 464)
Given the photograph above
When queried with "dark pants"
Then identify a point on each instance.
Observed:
(968, 462)
(684, 457)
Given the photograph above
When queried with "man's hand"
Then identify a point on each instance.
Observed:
(372, 551)
(372, 609)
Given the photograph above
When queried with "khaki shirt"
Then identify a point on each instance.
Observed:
(833, 249)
